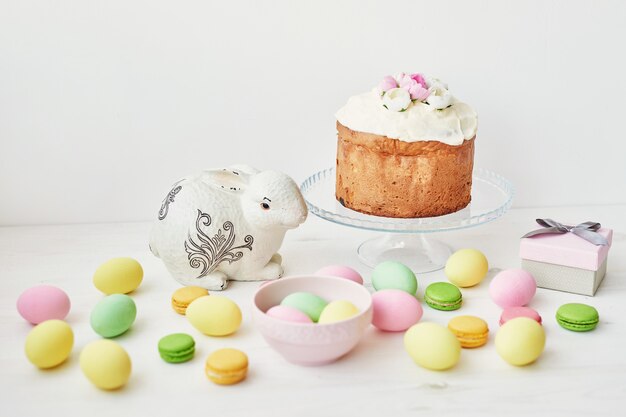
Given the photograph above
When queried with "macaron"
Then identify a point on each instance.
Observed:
(432, 346)
(118, 276)
(226, 366)
(520, 341)
(466, 267)
(177, 348)
(49, 344)
(512, 288)
(510, 313)
(394, 275)
(443, 296)
(471, 331)
(113, 315)
(337, 310)
(214, 315)
(395, 310)
(182, 297)
(342, 272)
(577, 317)
(310, 304)
(43, 302)
(288, 314)
(106, 364)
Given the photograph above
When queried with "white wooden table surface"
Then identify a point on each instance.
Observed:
(578, 374)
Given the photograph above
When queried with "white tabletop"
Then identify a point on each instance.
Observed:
(578, 374)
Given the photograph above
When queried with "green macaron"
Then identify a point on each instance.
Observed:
(393, 275)
(113, 315)
(177, 348)
(443, 296)
(577, 317)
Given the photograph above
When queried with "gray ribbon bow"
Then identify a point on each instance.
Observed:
(586, 230)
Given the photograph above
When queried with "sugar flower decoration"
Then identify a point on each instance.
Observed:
(435, 82)
(439, 97)
(396, 99)
(418, 88)
(388, 83)
(414, 84)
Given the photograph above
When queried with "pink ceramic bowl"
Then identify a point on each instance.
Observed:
(312, 344)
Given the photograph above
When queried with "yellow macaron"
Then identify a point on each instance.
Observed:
(227, 366)
(182, 297)
(471, 331)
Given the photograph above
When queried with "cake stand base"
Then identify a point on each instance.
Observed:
(419, 253)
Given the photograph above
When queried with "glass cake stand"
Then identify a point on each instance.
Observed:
(405, 239)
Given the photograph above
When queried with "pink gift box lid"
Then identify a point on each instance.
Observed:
(566, 249)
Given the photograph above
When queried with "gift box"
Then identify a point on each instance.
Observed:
(561, 258)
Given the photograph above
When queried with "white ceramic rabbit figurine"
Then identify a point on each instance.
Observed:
(226, 224)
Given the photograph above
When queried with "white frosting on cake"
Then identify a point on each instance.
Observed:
(420, 122)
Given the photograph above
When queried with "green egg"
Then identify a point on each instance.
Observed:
(309, 304)
(113, 315)
(394, 275)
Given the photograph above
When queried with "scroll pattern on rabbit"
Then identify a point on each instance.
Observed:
(208, 252)
(169, 198)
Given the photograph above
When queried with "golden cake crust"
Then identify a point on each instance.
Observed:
(388, 177)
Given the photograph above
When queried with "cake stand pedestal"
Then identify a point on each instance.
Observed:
(405, 240)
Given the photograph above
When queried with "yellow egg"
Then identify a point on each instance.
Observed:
(337, 311)
(214, 315)
(432, 346)
(520, 341)
(49, 343)
(106, 364)
(118, 276)
(466, 267)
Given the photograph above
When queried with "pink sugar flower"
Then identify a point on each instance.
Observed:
(388, 83)
(418, 92)
(419, 78)
(404, 80)
(413, 86)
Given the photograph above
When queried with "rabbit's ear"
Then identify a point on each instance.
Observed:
(226, 179)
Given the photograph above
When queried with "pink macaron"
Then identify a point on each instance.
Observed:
(515, 312)
(342, 272)
(43, 302)
(395, 310)
(512, 288)
(288, 314)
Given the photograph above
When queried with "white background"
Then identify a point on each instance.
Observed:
(104, 104)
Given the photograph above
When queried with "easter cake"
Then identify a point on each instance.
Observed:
(405, 149)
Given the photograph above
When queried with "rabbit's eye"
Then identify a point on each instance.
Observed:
(265, 206)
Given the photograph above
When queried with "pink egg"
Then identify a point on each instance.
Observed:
(288, 314)
(43, 302)
(512, 288)
(515, 312)
(342, 272)
(395, 310)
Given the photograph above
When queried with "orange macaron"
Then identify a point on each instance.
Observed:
(226, 366)
(182, 297)
(471, 331)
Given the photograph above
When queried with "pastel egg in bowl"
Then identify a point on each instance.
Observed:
(312, 343)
